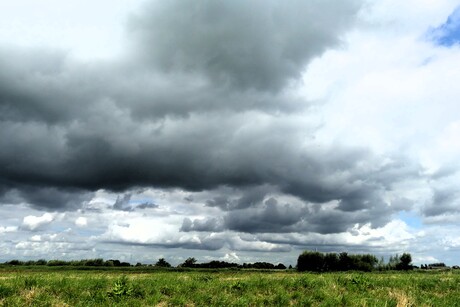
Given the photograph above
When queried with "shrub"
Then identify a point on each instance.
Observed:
(120, 288)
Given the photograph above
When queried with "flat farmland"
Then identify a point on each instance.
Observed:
(129, 287)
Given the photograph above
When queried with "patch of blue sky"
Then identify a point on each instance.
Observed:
(411, 219)
(141, 201)
(447, 34)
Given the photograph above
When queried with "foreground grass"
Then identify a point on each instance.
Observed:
(226, 288)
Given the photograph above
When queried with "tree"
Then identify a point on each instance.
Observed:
(310, 261)
(345, 262)
(393, 262)
(405, 262)
(162, 263)
(189, 263)
(331, 262)
(280, 266)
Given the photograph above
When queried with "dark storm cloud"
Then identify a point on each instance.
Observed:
(204, 103)
(45, 197)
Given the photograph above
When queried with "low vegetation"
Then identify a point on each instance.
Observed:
(24, 286)
(318, 279)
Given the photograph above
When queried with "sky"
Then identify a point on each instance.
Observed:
(239, 130)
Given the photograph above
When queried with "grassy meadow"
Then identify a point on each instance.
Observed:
(128, 287)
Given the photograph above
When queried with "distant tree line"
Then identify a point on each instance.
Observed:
(98, 262)
(434, 266)
(331, 262)
(192, 263)
(161, 263)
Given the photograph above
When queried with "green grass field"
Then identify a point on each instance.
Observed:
(61, 287)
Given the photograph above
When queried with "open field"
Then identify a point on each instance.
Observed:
(61, 287)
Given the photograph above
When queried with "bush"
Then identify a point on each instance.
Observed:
(120, 288)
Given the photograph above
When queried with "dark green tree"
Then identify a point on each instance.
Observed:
(189, 263)
(280, 266)
(310, 261)
(345, 262)
(405, 262)
(162, 263)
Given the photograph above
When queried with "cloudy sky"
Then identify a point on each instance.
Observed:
(232, 130)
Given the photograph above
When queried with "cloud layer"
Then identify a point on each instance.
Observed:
(235, 126)
(186, 119)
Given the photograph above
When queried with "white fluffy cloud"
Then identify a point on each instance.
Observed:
(81, 221)
(32, 222)
(8, 229)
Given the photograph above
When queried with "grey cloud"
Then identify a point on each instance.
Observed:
(358, 204)
(272, 217)
(336, 221)
(249, 197)
(122, 203)
(206, 243)
(444, 172)
(244, 242)
(46, 197)
(212, 243)
(147, 205)
(187, 153)
(204, 104)
(207, 224)
(301, 242)
(445, 200)
(257, 44)
(44, 86)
